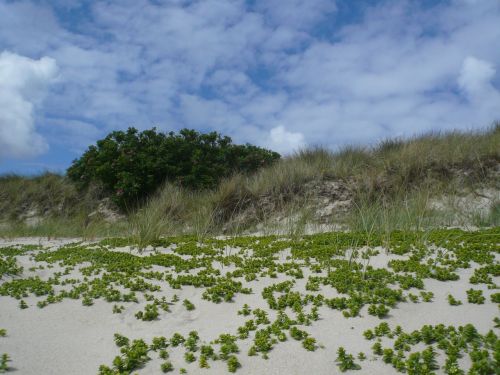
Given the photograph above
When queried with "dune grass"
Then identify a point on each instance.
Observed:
(391, 184)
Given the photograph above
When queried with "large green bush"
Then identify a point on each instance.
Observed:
(131, 165)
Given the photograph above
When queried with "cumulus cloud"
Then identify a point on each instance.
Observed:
(285, 141)
(23, 84)
(475, 76)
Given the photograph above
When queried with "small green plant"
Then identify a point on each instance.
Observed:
(380, 311)
(368, 334)
(121, 340)
(475, 296)
(118, 309)
(427, 296)
(189, 357)
(495, 298)
(163, 354)
(188, 305)
(377, 348)
(233, 364)
(345, 361)
(177, 339)
(414, 298)
(87, 301)
(23, 304)
(159, 343)
(204, 361)
(150, 313)
(452, 301)
(4, 362)
(309, 343)
(167, 366)
(245, 311)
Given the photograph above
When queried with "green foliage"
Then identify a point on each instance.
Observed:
(233, 364)
(122, 278)
(378, 310)
(188, 305)
(133, 356)
(245, 311)
(452, 301)
(346, 361)
(189, 357)
(150, 313)
(495, 298)
(159, 343)
(132, 164)
(4, 362)
(475, 296)
(167, 367)
(309, 343)
(427, 296)
(8, 266)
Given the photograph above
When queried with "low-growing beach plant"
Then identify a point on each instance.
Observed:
(495, 298)
(452, 301)
(245, 311)
(475, 296)
(150, 313)
(118, 309)
(309, 343)
(188, 305)
(427, 296)
(233, 364)
(203, 362)
(345, 361)
(167, 367)
(189, 357)
(380, 311)
(177, 339)
(4, 362)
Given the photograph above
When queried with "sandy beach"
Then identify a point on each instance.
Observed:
(67, 337)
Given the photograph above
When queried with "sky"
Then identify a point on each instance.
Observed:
(281, 74)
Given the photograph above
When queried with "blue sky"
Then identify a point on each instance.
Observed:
(282, 74)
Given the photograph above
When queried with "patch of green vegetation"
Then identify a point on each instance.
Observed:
(451, 341)
(188, 305)
(475, 296)
(337, 260)
(452, 301)
(345, 361)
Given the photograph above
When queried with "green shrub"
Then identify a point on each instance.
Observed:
(132, 164)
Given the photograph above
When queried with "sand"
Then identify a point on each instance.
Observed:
(69, 338)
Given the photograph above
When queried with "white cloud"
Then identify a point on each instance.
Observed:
(475, 76)
(284, 141)
(23, 83)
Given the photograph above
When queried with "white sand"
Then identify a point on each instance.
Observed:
(69, 338)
